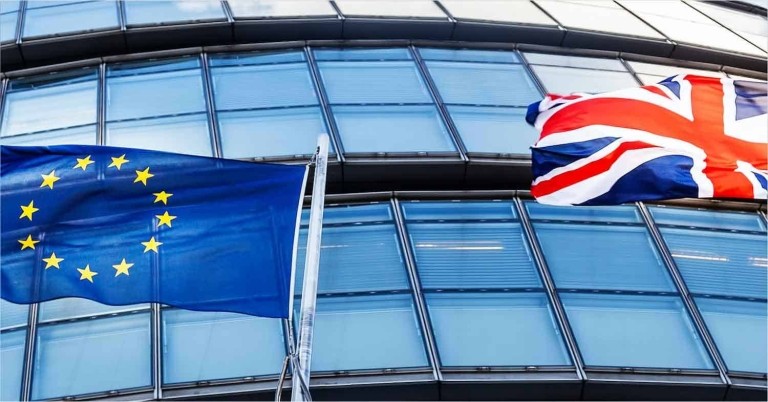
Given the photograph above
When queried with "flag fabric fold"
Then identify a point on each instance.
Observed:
(687, 136)
(124, 226)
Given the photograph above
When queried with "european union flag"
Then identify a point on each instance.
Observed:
(124, 226)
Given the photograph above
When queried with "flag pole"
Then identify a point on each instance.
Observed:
(311, 269)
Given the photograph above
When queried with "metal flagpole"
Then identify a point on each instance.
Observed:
(311, 269)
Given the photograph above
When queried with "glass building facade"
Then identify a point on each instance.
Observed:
(440, 277)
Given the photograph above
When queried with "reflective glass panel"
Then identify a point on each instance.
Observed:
(355, 333)
(497, 10)
(373, 82)
(694, 218)
(208, 346)
(739, 330)
(76, 307)
(92, 356)
(167, 11)
(494, 130)
(11, 364)
(565, 80)
(8, 16)
(281, 8)
(508, 329)
(483, 84)
(634, 331)
(392, 129)
(370, 54)
(184, 134)
(391, 8)
(84, 135)
(12, 314)
(44, 18)
(605, 16)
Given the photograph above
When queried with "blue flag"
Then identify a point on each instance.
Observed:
(123, 226)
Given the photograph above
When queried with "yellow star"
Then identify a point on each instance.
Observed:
(142, 176)
(162, 196)
(86, 273)
(151, 245)
(165, 219)
(49, 179)
(28, 210)
(84, 162)
(28, 243)
(117, 162)
(122, 268)
(52, 261)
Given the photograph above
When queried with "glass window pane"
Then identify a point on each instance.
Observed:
(84, 135)
(495, 330)
(653, 73)
(626, 214)
(564, 80)
(45, 18)
(11, 364)
(272, 132)
(184, 134)
(575, 61)
(603, 16)
(739, 330)
(356, 333)
(87, 356)
(707, 219)
(390, 8)
(602, 257)
(472, 256)
(392, 129)
(494, 130)
(373, 82)
(12, 314)
(154, 89)
(165, 11)
(355, 214)
(44, 103)
(752, 27)
(8, 16)
(262, 86)
(464, 210)
(201, 346)
(483, 84)
(634, 331)
(497, 10)
(258, 58)
(714, 263)
(281, 8)
(76, 307)
(374, 54)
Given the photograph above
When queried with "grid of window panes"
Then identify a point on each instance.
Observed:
(485, 302)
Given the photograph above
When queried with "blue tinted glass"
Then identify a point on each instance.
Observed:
(634, 331)
(459, 210)
(739, 330)
(707, 219)
(11, 364)
(494, 130)
(84, 135)
(602, 257)
(356, 259)
(50, 102)
(714, 263)
(483, 84)
(250, 59)
(363, 54)
(373, 82)
(271, 85)
(355, 214)
(469, 55)
(77, 307)
(208, 346)
(174, 89)
(8, 17)
(271, 132)
(472, 255)
(483, 330)
(91, 356)
(392, 129)
(184, 134)
(565, 80)
(161, 11)
(355, 333)
(45, 18)
(584, 214)
(12, 314)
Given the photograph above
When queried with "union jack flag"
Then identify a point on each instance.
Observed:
(687, 136)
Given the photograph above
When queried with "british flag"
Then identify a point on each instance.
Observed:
(687, 136)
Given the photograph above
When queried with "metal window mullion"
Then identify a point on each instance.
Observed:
(532, 74)
(101, 105)
(156, 328)
(549, 285)
(228, 12)
(658, 31)
(121, 17)
(438, 100)
(20, 21)
(325, 108)
(210, 106)
(722, 25)
(631, 70)
(685, 294)
(415, 283)
(3, 91)
(29, 352)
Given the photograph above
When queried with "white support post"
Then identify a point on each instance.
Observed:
(311, 269)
